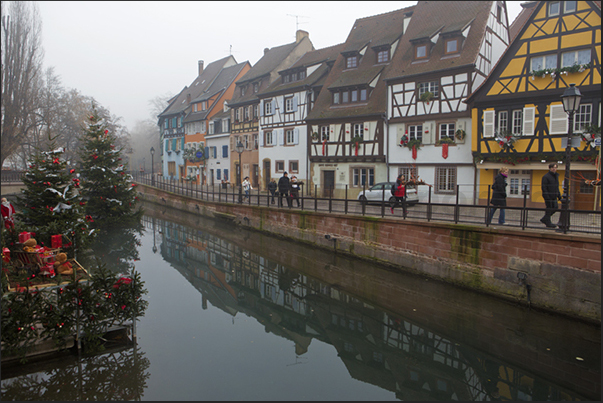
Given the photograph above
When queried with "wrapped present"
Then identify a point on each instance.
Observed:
(47, 270)
(24, 236)
(6, 255)
(56, 241)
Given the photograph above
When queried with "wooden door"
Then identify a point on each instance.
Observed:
(583, 195)
(328, 183)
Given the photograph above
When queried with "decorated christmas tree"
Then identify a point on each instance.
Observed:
(51, 203)
(109, 192)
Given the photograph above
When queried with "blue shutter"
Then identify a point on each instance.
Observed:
(218, 174)
(273, 103)
(167, 145)
(206, 152)
(224, 151)
(173, 144)
(182, 148)
(295, 104)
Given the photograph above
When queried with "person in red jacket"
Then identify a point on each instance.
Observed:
(400, 194)
(7, 213)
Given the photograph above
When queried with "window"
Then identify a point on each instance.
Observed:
(294, 76)
(554, 8)
(421, 52)
(432, 86)
(256, 87)
(324, 133)
(582, 117)
(269, 138)
(219, 174)
(286, 78)
(358, 130)
(519, 182)
(302, 74)
(255, 141)
(294, 167)
(225, 126)
(363, 177)
(568, 59)
(351, 62)
(445, 180)
(289, 137)
(237, 114)
(415, 132)
(289, 104)
(354, 95)
(383, 56)
(242, 91)
(517, 122)
(503, 121)
(255, 111)
(268, 107)
(166, 123)
(279, 166)
(569, 7)
(363, 94)
(336, 97)
(447, 130)
(452, 45)
(203, 105)
(345, 97)
(543, 62)
(246, 113)
(194, 107)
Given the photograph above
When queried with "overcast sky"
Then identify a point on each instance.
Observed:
(125, 53)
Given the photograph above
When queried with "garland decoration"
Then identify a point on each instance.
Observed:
(576, 68)
(505, 139)
(357, 139)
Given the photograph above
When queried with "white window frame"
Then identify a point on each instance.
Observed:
(503, 121)
(582, 117)
(518, 181)
(358, 130)
(551, 11)
(415, 132)
(488, 123)
(269, 138)
(517, 123)
(445, 180)
(566, 9)
(447, 130)
(325, 132)
(268, 107)
(362, 175)
(576, 54)
(431, 86)
(543, 62)
(289, 104)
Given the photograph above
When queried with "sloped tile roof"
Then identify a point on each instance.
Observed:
(431, 17)
(197, 87)
(314, 57)
(369, 32)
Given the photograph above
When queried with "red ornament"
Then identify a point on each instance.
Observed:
(414, 152)
(445, 150)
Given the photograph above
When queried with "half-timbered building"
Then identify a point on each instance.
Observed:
(245, 104)
(217, 150)
(284, 105)
(348, 150)
(518, 116)
(447, 51)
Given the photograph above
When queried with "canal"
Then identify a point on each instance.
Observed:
(236, 315)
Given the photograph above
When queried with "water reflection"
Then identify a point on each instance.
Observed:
(116, 374)
(461, 346)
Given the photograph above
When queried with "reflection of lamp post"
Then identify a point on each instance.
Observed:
(571, 101)
(239, 148)
(152, 166)
(154, 246)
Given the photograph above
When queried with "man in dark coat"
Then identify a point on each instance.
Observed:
(283, 190)
(550, 193)
(499, 196)
(272, 188)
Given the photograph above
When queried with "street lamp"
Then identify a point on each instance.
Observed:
(571, 101)
(240, 148)
(152, 166)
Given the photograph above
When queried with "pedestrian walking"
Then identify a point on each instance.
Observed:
(7, 214)
(499, 196)
(399, 192)
(295, 190)
(283, 190)
(247, 187)
(550, 194)
(272, 187)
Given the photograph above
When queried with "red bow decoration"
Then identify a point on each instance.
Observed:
(445, 150)
(414, 152)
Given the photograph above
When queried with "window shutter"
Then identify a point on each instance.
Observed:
(488, 124)
(261, 139)
(167, 145)
(232, 143)
(295, 103)
(280, 105)
(366, 133)
(347, 136)
(273, 104)
(558, 120)
(224, 151)
(296, 136)
(206, 152)
(281, 137)
(528, 121)
(173, 144)
(182, 147)
(262, 108)
(218, 174)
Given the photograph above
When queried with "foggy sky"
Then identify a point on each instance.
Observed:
(125, 53)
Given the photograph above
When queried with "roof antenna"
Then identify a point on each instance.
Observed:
(297, 20)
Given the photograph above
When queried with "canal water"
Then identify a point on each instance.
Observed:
(236, 315)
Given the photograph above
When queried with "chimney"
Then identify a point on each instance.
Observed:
(188, 98)
(200, 67)
(299, 35)
(266, 50)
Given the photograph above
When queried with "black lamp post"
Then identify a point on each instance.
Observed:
(240, 148)
(152, 167)
(571, 101)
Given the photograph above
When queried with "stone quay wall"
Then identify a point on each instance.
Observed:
(546, 270)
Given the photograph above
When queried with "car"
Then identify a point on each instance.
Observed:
(375, 195)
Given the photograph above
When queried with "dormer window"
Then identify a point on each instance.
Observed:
(421, 51)
(451, 45)
(204, 105)
(351, 62)
(256, 87)
(383, 56)
(286, 78)
(242, 91)
(554, 8)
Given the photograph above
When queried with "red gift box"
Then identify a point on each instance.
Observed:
(24, 236)
(56, 241)
(6, 253)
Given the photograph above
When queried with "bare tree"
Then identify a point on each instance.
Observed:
(22, 56)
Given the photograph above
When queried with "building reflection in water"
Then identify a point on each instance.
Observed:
(382, 348)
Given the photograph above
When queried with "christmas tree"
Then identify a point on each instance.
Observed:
(107, 188)
(50, 202)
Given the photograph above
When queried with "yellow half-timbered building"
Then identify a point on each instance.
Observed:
(517, 113)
